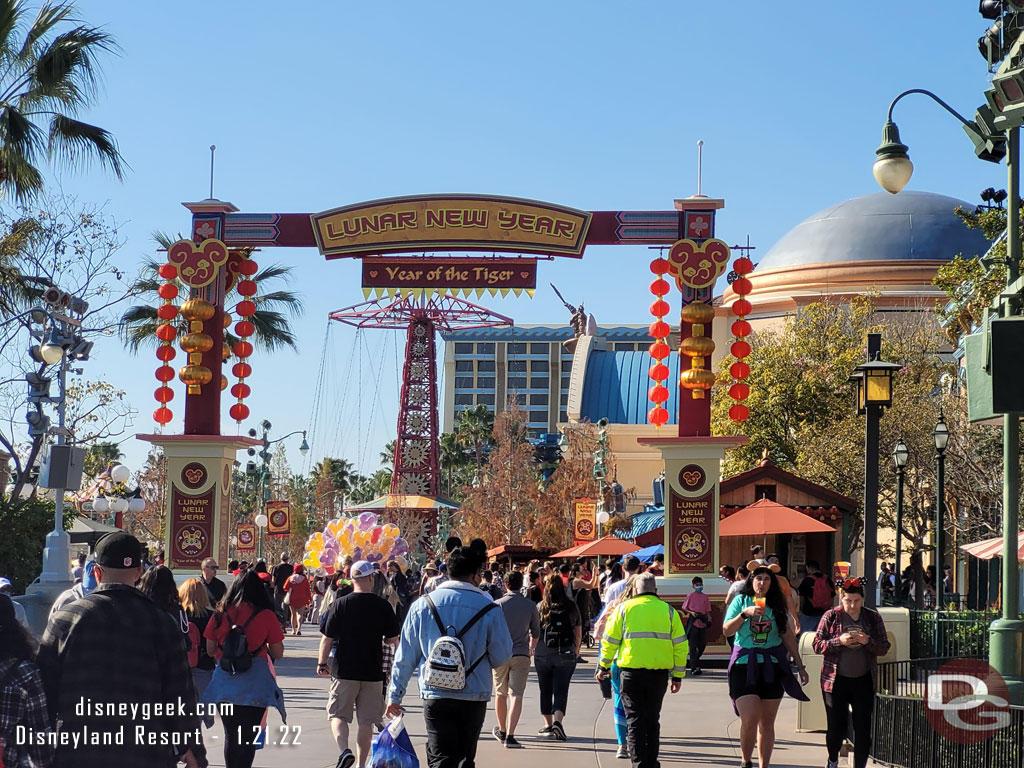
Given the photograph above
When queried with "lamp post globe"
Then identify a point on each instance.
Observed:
(304, 447)
(137, 505)
(892, 169)
(100, 504)
(261, 520)
(120, 474)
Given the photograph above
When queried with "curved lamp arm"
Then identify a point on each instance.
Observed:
(936, 99)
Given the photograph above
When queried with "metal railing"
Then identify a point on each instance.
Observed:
(954, 634)
(904, 738)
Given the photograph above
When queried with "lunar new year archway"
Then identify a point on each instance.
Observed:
(500, 241)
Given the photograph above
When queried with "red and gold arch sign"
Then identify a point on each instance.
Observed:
(451, 222)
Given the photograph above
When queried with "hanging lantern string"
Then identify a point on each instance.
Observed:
(741, 329)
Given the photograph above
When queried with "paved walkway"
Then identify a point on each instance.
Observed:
(698, 725)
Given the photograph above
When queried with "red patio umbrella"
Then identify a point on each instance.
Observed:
(765, 518)
(609, 545)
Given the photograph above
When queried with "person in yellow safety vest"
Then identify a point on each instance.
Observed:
(645, 637)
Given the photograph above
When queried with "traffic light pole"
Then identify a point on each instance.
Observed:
(1005, 652)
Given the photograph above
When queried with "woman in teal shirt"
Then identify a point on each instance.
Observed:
(760, 668)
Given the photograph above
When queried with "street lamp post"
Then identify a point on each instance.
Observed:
(261, 521)
(941, 437)
(900, 454)
(263, 474)
(874, 394)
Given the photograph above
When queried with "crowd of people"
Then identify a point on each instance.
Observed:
(125, 638)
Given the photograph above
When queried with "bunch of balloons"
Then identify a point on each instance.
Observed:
(362, 538)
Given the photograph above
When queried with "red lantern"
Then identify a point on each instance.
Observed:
(660, 288)
(239, 412)
(165, 373)
(659, 329)
(247, 267)
(166, 332)
(241, 391)
(162, 415)
(659, 350)
(741, 328)
(168, 291)
(242, 370)
(743, 265)
(658, 393)
(739, 370)
(245, 309)
(660, 308)
(739, 349)
(660, 266)
(167, 311)
(247, 288)
(166, 353)
(657, 416)
(164, 394)
(658, 372)
(741, 307)
(739, 412)
(245, 328)
(742, 286)
(168, 271)
(242, 349)
(739, 391)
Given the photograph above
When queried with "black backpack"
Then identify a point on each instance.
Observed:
(235, 654)
(559, 634)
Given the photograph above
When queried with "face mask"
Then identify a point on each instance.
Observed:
(699, 588)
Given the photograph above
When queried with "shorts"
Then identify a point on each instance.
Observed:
(363, 696)
(514, 675)
(738, 685)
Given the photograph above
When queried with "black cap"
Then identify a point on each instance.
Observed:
(118, 550)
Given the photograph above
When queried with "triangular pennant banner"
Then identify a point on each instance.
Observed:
(530, 292)
(367, 292)
(492, 291)
(504, 292)
(479, 293)
(441, 291)
(517, 291)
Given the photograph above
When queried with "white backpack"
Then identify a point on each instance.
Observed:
(446, 663)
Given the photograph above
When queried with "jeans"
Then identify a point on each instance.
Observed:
(618, 713)
(698, 640)
(857, 693)
(642, 693)
(453, 729)
(240, 731)
(554, 673)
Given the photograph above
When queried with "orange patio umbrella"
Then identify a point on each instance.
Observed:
(609, 545)
(765, 518)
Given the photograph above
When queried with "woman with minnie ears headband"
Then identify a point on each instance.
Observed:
(764, 660)
(851, 637)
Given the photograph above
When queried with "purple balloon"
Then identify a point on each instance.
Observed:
(367, 520)
(357, 554)
(333, 545)
(327, 558)
(400, 547)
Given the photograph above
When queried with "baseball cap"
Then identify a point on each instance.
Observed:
(118, 550)
(4, 582)
(361, 569)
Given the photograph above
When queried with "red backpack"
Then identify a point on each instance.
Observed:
(821, 597)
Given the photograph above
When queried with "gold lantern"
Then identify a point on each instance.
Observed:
(197, 311)
(194, 376)
(698, 380)
(697, 347)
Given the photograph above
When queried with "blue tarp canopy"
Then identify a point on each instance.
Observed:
(646, 555)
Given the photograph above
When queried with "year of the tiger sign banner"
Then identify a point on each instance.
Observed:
(278, 522)
(585, 516)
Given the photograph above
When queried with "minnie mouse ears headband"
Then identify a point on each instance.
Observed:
(851, 584)
(753, 565)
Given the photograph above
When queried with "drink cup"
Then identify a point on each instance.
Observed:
(759, 603)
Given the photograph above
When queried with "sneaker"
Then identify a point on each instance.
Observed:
(347, 759)
(545, 731)
(832, 764)
(558, 732)
(498, 734)
(511, 743)
(622, 752)
(580, 660)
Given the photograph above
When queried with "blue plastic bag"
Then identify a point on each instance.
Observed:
(393, 748)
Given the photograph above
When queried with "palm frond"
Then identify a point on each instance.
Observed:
(11, 14)
(48, 17)
(138, 326)
(274, 272)
(18, 174)
(164, 240)
(272, 331)
(74, 141)
(19, 134)
(68, 61)
(284, 299)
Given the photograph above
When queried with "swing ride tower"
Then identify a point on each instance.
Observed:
(417, 467)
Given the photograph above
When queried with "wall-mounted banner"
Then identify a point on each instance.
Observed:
(585, 517)
(278, 522)
(191, 524)
(419, 276)
(246, 538)
(451, 222)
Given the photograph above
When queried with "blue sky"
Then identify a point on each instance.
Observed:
(595, 105)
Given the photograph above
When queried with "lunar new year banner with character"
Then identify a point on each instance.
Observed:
(585, 525)
(690, 518)
(278, 521)
(246, 538)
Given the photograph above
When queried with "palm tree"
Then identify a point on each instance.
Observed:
(475, 429)
(48, 76)
(99, 456)
(273, 330)
(387, 456)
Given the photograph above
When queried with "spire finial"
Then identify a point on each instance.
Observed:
(213, 149)
(700, 153)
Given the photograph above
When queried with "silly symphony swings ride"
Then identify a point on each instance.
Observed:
(420, 294)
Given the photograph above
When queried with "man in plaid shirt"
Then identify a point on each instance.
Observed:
(116, 674)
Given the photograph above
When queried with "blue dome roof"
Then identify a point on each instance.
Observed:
(616, 384)
(908, 226)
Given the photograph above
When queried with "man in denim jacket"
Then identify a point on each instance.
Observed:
(453, 718)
